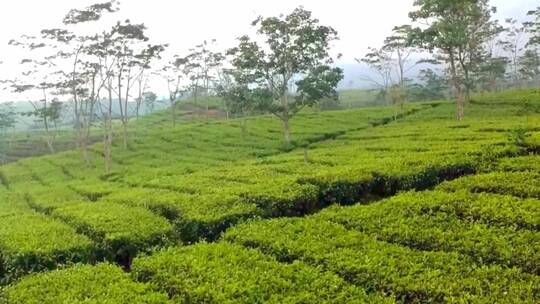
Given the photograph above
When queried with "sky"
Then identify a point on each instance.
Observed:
(186, 23)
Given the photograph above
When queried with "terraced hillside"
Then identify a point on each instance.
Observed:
(361, 209)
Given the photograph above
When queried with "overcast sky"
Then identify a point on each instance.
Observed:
(185, 23)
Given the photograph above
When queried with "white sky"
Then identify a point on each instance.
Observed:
(185, 23)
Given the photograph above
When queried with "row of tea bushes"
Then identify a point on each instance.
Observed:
(428, 222)
(119, 231)
(520, 184)
(226, 273)
(80, 284)
(409, 275)
(31, 242)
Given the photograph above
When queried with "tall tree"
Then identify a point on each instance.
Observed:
(239, 97)
(292, 63)
(82, 81)
(432, 86)
(513, 43)
(393, 62)
(8, 121)
(380, 61)
(533, 46)
(529, 65)
(457, 31)
(204, 68)
(36, 81)
(174, 72)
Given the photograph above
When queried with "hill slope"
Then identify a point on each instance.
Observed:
(473, 238)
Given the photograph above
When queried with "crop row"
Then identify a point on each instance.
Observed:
(520, 184)
(31, 242)
(124, 212)
(202, 273)
(103, 283)
(409, 275)
(462, 223)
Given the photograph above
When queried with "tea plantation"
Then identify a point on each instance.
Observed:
(359, 209)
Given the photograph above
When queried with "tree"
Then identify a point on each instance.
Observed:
(380, 61)
(401, 51)
(144, 60)
(8, 121)
(204, 65)
(149, 101)
(173, 72)
(492, 72)
(291, 64)
(512, 44)
(392, 62)
(457, 30)
(239, 98)
(533, 47)
(37, 80)
(529, 65)
(79, 51)
(533, 28)
(131, 59)
(432, 86)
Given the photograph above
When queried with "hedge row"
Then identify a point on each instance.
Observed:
(193, 216)
(519, 184)
(119, 231)
(226, 273)
(409, 275)
(522, 163)
(31, 242)
(494, 210)
(47, 198)
(103, 283)
(414, 220)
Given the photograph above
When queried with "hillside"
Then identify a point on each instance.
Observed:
(360, 209)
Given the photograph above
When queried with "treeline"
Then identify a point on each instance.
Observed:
(283, 68)
(458, 49)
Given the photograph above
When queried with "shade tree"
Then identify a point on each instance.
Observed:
(289, 59)
(456, 31)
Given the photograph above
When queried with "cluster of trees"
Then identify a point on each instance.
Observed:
(474, 51)
(290, 68)
(284, 67)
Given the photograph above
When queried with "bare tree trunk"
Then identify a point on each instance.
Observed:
(226, 109)
(77, 110)
(173, 111)
(457, 88)
(125, 120)
(48, 138)
(87, 121)
(286, 130)
(195, 96)
(206, 87)
(244, 126)
(107, 144)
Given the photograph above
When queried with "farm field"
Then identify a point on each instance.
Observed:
(358, 209)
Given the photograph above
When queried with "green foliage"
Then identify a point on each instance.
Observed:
(293, 46)
(120, 232)
(519, 184)
(196, 180)
(31, 242)
(433, 221)
(87, 284)
(522, 163)
(225, 273)
(409, 275)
